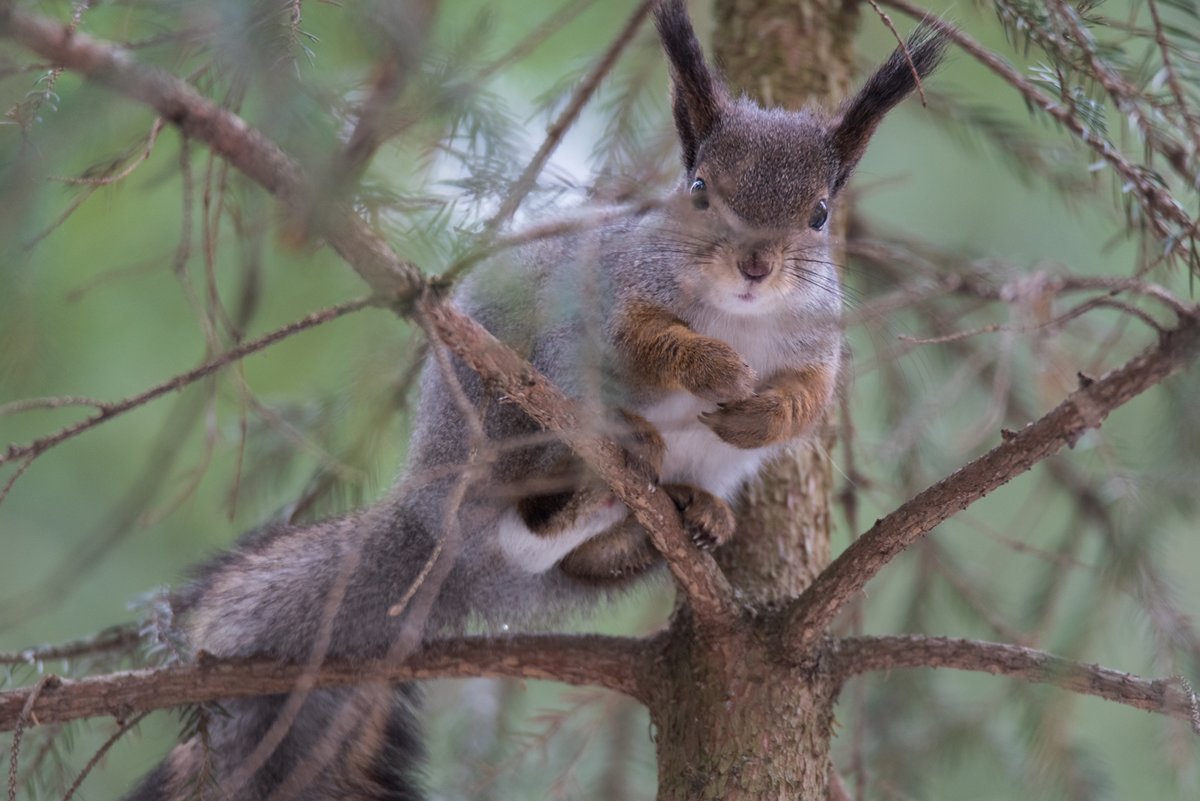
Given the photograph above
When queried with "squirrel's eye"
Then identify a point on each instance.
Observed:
(819, 216)
(699, 192)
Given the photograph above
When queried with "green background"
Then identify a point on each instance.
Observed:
(95, 309)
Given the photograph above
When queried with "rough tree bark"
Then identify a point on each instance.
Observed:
(735, 719)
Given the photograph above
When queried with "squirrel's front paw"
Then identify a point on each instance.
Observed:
(753, 422)
(643, 445)
(712, 370)
(707, 519)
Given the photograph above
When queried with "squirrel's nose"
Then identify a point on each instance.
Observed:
(754, 266)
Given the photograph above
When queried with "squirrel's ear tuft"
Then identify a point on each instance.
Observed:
(891, 83)
(696, 96)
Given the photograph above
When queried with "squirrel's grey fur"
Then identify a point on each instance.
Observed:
(735, 264)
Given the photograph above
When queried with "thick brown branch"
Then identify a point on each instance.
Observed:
(857, 655)
(610, 662)
(1083, 409)
(508, 376)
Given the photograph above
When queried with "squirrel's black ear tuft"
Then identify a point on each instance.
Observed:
(891, 83)
(697, 97)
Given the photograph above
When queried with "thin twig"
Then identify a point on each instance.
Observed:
(1050, 324)
(1158, 201)
(33, 767)
(536, 37)
(62, 217)
(30, 404)
(117, 638)
(891, 26)
(524, 184)
(25, 464)
(23, 715)
(108, 179)
(575, 223)
(101, 751)
(116, 408)
(1190, 121)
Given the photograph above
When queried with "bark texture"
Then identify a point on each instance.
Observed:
(734, 719)
(790, 54)
(735, 722)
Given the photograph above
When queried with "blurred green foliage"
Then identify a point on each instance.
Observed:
(99, 306)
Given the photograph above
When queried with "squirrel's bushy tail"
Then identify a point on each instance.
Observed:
(299, 594)
(324, 591)
(348, 743)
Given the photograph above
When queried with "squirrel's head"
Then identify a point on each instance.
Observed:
(761, 184)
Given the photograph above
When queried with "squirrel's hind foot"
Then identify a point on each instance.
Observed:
(707, 519)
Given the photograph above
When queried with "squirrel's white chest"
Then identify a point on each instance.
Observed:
(694, 454)
(766, 343)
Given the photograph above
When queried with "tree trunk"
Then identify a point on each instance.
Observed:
(735, 720)
(787, 53)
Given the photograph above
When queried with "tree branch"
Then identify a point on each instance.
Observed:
(1083, 409)
(857, 655)
(555, 133)
(116, 638)
(109, 410)
(509, 376)
(225, 132)
(390, 276)
(614, 663)
(1158, 201)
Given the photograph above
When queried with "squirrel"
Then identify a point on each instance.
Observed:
(705, 333)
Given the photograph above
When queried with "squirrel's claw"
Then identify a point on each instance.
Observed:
(707, 519)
